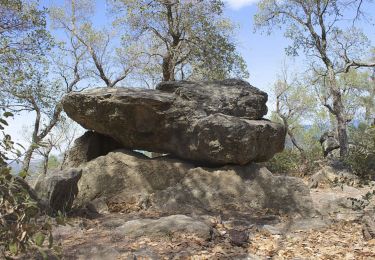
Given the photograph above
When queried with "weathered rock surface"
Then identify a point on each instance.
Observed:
(230, 97)
(343, 202)
(174, 225)
(329, 143)
(58, 189)
(333, 173)
(211, 122)
(89, 146)
(130, 182)
(238, 238)
(368, 227)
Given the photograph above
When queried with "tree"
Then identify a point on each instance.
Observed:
(22, 36)
(316, 27)
(186, 38)
(23, 43)
(294, 104)
(35, 95)
(359, 95)
(30, 82)
(111, 64)
(60, 139)
(22, 33)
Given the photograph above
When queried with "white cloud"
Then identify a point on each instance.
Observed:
(237, 4)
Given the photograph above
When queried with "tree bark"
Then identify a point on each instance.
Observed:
(339, 112)
(168, 68)
(294, 142)
(39, 135)
(27, 158)
(46, 158)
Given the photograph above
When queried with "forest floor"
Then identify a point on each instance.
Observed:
(270, 236)
(335, 233)
(340, 240)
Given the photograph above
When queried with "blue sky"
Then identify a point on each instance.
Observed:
(263, 54)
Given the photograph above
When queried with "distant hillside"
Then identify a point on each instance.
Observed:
(34, 166)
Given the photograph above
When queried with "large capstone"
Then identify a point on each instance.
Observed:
(215, 123)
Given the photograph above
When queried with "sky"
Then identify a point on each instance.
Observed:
(264, 54)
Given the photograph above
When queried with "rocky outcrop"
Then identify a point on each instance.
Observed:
(214, 123)
(333, 173)
(344, 202)
(129, 182)
(329, 143)
(58, 189)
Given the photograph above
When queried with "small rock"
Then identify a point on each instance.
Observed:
(238, 238)
(98, 206)
(329, 143)
(272, 230)
(368, 228)
(175, 225)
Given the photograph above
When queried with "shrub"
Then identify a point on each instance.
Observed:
(23, 226)
(361, 157)
(286, 162)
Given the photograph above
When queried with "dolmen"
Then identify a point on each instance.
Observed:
(212, 135)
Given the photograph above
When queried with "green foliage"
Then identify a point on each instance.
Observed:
(286, 162)
(8, 149)
(189, 39)
(291, 161)
(23, 36)
(53, 162)
(23, 226)
(361, 157)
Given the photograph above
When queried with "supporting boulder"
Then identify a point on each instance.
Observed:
(58, 189)
(130, 182)
(88, 147)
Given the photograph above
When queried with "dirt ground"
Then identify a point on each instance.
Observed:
(334, 233)
(328, 237)
(341, 240)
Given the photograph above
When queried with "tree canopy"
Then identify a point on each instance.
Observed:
(332, 46)
(187, 38)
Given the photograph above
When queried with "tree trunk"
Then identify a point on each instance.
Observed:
(168, 68)
(294, 142)
(339, 113)
(27, 158)
(46, 159)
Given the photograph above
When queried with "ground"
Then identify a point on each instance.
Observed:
(271, 236)
(341, 240)
(337, 234)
